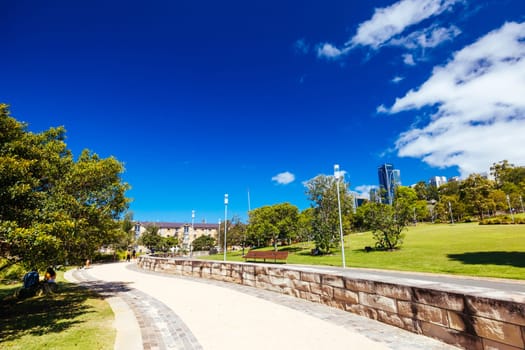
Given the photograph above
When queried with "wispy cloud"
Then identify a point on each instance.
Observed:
(284, 178)
(408, 59)
(364, 190)
(427, 38)
(388, 23)
(301, 46)
(397, 79)
(327, 50)
(478, 107)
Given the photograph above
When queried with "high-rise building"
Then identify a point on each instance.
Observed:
(437, 181)
(374, 195)
(389, 179)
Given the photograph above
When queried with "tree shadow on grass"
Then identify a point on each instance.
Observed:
(51, 313)
(291, 249)
(516, 259)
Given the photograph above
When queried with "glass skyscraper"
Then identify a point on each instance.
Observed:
(389, 178)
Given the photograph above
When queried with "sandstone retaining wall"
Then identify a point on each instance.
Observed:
(473, 318)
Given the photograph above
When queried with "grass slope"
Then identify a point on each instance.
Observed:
(461, 249)
(73, 318)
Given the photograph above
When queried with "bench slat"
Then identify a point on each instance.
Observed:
(266, 255)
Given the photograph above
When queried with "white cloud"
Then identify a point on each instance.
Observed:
(284, 178)
(478, 102)
(329, 51)
(426, 38)
(408, 59)
(397, 79)
(382, 109)
(390, 21)
(388, 24)
(364, 190)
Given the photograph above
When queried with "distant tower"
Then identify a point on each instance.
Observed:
(437, 181)
(389, 179)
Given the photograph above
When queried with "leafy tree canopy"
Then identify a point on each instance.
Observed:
(54, 209)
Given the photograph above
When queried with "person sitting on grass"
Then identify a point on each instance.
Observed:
(49, 283)
(31, 284)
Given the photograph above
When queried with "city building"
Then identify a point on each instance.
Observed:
(437, 181)
(374, 195)
(186, 233)
(389, 179)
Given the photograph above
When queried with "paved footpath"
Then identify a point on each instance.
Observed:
(161, 311)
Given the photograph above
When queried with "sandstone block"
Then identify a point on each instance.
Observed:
(444, 300)
(492, 345)
(346, 296)
(334, 281)
(378, 302)
(450, 336)
(292, 275)
(503, 310)
(301, 285)
(360, 285)
(310, 277)
(502, 332)
(389, 318)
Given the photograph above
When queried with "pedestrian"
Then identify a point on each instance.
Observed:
(128, 256)
(134, 254)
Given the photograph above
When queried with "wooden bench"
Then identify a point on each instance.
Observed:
(270, 255)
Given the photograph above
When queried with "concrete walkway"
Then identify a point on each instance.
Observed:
(160, 311)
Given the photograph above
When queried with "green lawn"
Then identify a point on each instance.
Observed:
(73, 318)
(460, 249)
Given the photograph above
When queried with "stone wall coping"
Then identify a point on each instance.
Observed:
(480, 292)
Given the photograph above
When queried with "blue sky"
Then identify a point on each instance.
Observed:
(199, 99)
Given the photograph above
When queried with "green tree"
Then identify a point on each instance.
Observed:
(322, 192)
(273, 224)
(236, 232)
(474, 194)
(388, 222)
(203, 243)
(305, 225)
(151, 239)
(421, 189)
(54, 209)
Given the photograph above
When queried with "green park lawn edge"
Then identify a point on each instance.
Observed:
(467, 249)
(72, 318)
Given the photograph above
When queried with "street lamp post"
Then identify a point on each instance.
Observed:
(337, 175)
(521, 202)
(225, 222)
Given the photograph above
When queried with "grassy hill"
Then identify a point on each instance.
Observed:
(460, 249)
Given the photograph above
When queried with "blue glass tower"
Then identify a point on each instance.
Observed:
(389, 178)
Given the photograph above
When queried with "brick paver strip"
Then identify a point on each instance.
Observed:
(161, 328)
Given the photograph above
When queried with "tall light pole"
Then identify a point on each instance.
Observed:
(337, 175)
(225, 222)
(521, 202)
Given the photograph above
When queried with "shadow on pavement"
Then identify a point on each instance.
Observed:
(516, 259)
